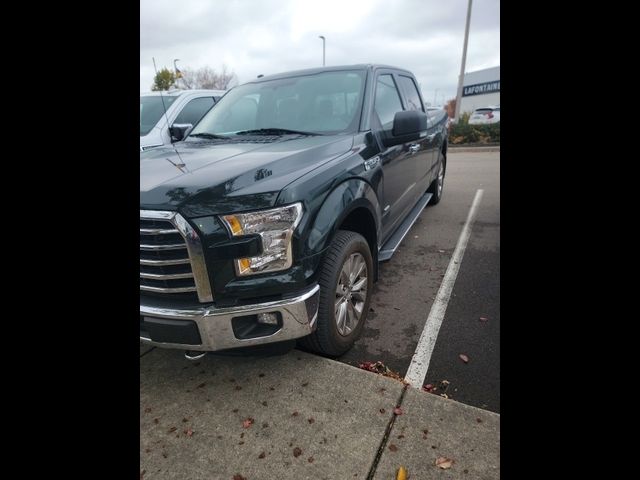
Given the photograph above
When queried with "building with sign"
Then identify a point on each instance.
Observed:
(480, 89)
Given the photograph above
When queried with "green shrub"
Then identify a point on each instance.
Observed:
(461, 132)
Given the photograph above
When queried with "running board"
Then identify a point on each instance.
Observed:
(390, 247)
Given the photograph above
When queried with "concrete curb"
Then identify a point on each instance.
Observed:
(345, 425)
(492, 148)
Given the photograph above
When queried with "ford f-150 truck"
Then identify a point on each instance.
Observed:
(268, 222)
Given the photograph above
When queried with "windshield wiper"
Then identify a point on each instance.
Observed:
(211, 136)
(275, 131)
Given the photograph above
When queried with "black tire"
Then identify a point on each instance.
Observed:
(433, 188)
(327, 340)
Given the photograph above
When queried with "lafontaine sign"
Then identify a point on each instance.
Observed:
(481, 88)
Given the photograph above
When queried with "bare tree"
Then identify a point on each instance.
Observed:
(207, 78)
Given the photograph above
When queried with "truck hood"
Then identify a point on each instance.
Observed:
(201, 178)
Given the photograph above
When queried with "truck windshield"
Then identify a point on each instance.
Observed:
(327, 102)
(151, 110)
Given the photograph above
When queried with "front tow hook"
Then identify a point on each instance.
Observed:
(193, 356)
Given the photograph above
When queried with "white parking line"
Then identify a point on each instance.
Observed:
(420, 362)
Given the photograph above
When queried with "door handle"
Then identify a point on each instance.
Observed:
(431, 137)
(414, 147)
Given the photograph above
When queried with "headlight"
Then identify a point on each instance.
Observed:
(275, 227)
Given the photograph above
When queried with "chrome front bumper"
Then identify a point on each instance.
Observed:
(299, 317)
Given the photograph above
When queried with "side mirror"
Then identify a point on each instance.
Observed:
(179, 130)
(408, 126)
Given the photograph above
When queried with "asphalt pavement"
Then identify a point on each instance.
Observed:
(409, 282)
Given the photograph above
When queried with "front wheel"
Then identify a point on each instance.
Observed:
(437, 186)
(346, 283)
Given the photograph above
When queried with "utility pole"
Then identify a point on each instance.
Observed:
(323, 42)
(464, 61)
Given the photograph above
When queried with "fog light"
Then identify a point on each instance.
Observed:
(268, 318)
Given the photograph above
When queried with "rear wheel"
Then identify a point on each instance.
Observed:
(346, 282)
(437, 186)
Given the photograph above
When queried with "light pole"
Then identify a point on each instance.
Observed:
(178, 72)
(323, 42)
(464, 61)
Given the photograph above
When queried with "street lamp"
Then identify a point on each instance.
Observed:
(323, 43)
(178, 72)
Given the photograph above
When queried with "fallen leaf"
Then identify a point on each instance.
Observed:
(147, 410)
(478, 420)
(297, 452)
(264, 404)
(310, 459)
(382, 410)
(235, 410)
(400, 436)
(261, 375)
(201, 385)
(398, 411)
(238, 387)
(402, 474)
(440, 251)
(393, 448)
(464, 358)
(443, 462)
(311, 420)
(189, 432)
(237, 476)
(185, 420)
(247, 423)
(262, 455)
(294, 414)
(172, 429)
(305, 384)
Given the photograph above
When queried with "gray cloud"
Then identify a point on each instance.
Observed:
(262, 37)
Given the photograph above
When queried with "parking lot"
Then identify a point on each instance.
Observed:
(409, 282)
(302, 416)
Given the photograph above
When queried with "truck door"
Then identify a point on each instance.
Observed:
(426, 146)
(399, 166)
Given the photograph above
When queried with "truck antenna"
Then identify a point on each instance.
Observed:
(164, 107)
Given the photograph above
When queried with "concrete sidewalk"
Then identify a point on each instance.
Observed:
(299, 416)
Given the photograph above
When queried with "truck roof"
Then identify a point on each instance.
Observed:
(312, 71)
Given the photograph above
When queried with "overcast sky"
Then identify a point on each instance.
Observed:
(255, 37)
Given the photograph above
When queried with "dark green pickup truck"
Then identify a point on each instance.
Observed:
(267, 222)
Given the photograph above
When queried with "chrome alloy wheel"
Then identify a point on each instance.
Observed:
(351, 294)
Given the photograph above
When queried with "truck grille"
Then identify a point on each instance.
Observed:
(170, 253)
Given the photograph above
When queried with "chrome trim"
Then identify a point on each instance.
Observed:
(173, 246)
(196, 254)
(156, 215)
(214, 324)
(168, 290)
(157, 231)
(193, 244)
(159, 263)
(165, 276)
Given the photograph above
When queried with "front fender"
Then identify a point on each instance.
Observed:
(343, 199)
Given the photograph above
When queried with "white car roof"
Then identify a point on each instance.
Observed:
(175, 93)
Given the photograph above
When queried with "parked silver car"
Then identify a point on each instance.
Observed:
(183, 107)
